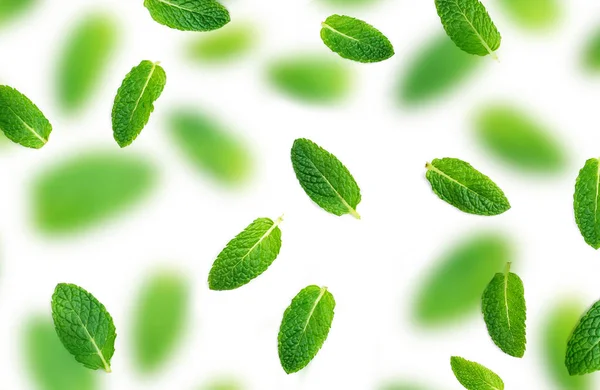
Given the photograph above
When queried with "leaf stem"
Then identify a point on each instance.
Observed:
(507, 269)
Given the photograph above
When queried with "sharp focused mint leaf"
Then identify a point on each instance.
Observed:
(583, 347)
(304, 328)
(188, 15)
(504, 312)
(355, 40)
(160, 318)
(533, 14)
(453, 288)
(465, 188)
(86, 190)
(325, 179)
(247, 256)
(49, 365)
(230, 42)
(474, 376)
(468, 24)
(135, 101)
(591, 53)
(519, 140)
(10, 9)
(586, 200)
(310, 78)
(84, 59)
(21, 121)
(84, 326)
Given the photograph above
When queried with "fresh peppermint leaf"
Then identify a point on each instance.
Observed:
(474, 376)
(84, 326)
(84, 60)
(247, 256)
(586, 200)
(160, 318)
(21, 121)
(11, 9)
(458, 183)
(188, 15)
(468, 24)
(591, 53)
(230, 42)
(533, 14)
(325, 179)
(135, 101)
(583, 347)
(504, 312)
(355, 40)
(304, 328)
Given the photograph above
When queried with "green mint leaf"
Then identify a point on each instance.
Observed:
(88, 189)
(355, 40)
(246, 256)
(468, 24)
(311, 78)
(230, 42)
(304, 328)
(591, 53)
(49, 365)
(135, 101)
(458, 183)
(533, 14)
(474, 376)
(11, 9)
(21, 121)
(159, 320)
(504, 312)
(583, 347)
(452, 290)
(325, 179)
(84, 59)
(586, 200)
(517, 139)
(83, 326)
(188, 15)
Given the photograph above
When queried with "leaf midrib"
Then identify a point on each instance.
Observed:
(137, 103)
(439, 172)
(261, 239)
(29, 128)
(93, 341)
(483, 42)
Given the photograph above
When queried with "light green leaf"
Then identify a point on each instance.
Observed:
(355, 40)
(458, 183)
(188, 15)
(504, 312)
(468, 24)
(89, 189)
(398, 385)
(21, 121)
(586, 200)
(304, 328)
(583, 347)
(83, 326)
(533, 14)
(325, 179)
(135, 101)
(11, 9)
(223, 384)
(230, 42)
(474, 376)
(591, 52)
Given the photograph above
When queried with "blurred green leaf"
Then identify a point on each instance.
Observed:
(401, 386)
(223, 384)
(10, 9)
(591, 53)
(209, 147)
(50, 366)
(160, 318)
(533, 14)
(351, 3)
(311, 78)
(230, 42)
(517, 139)
(84, 59)
(88, 189)
(439, 68)
(454, 287)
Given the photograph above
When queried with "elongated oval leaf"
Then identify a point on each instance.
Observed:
(84, 326)
(135, 101)
(586, 200)
(230, 42)
(159, 322)
(21, 121)
(474, 376)
(464, 187)
(504, 312)
(533, 14)
(468, 24)
(355, 40)
(304, 328)
(583, 347)
(188, 15)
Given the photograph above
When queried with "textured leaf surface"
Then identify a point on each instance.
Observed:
(591, 52)
(324, 178)
(468, 24)
(586, 200)
(474, 376)
(86, 190)
(247, 256)
(533, 14)
(304, 328)
(504, 312)
(10, 9)
(135, 101)
(160, 319)
(21, 121)
(84, 326)
(188, 15)
(355, 40)
(230, 42)
(464, 187)
(49, 364)
(583, 347)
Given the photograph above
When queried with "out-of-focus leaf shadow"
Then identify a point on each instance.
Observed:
(11, 9)
(401, 385)
(223, 383)
(591, 53)
(533, 14)
(224, 45)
